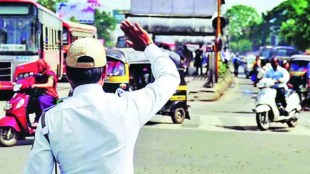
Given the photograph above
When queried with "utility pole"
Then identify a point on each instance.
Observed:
(218, 40)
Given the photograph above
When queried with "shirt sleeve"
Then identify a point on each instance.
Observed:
(146, 102)
(266, 75)
(41, 158)
(286, 76)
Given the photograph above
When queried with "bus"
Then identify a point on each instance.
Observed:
(73, 31)
(28, 32)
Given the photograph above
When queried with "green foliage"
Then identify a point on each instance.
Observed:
(222, 68)
(295, 29)
(105, 25)
(289, 21)
(241, 18)
(241, 46)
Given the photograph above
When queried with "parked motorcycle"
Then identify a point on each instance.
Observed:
(16, 123)
(267, 109)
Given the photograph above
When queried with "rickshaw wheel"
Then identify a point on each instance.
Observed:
(178, 116)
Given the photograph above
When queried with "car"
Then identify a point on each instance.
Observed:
(281, 52)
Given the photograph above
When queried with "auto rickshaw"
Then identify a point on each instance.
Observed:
(131, 70)
(300, 79)
(117, 72)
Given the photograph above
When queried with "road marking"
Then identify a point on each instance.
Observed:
(237, 124)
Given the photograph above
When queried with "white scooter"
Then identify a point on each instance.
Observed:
(267, 109)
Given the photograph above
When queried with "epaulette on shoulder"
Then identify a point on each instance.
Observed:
(47, 109)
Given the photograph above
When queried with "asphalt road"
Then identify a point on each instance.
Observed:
(221, 137)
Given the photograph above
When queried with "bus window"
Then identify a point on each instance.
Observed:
(20, 33)
(65, 36)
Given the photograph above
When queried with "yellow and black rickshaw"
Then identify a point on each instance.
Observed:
(130, 70)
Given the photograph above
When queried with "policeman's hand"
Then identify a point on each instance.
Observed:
(138, 38)
(33, 86)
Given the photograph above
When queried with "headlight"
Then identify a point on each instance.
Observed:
(24, 75)
(20, 103)
(17, 87)
(7, 106)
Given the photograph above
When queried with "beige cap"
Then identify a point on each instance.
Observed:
(86, 47)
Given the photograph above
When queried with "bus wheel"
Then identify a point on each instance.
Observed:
(178, 115)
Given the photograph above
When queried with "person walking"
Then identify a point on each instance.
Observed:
(93, 131)
(198, 59)
(255, 69)
(236, 63)
(187, 57)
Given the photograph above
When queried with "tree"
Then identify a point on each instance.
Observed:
(295, 29)
(289, 21)
(242, 21)
(241, 46)
(105, 25)
(240, 18)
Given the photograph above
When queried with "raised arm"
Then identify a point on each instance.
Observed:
(149, 100)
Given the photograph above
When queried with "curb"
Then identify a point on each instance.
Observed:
(212, 94)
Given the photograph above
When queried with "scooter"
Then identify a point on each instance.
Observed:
(16, 123)
(267, 109)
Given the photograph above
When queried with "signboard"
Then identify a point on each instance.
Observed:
(82, 11)
(12, 47)
(174, 25)
(190, 8)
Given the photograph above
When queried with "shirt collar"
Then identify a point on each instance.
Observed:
(88, 88)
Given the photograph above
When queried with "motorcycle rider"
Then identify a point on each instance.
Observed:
(281, 77)
(46, 95)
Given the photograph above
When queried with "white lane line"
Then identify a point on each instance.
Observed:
(238, 124)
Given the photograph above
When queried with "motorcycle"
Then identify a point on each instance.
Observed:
(16, 123)
(267, 108)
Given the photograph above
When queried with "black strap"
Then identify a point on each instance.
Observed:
(43, 124)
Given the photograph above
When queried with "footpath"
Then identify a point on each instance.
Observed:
(198, 89)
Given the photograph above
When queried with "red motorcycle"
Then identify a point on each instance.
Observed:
(16, 124)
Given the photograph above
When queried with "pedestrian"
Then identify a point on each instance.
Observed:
(198, 59)
(45, 94)
(255, 69)
(225, 56)
(187, 56)
(94, 131)
(236, 63)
